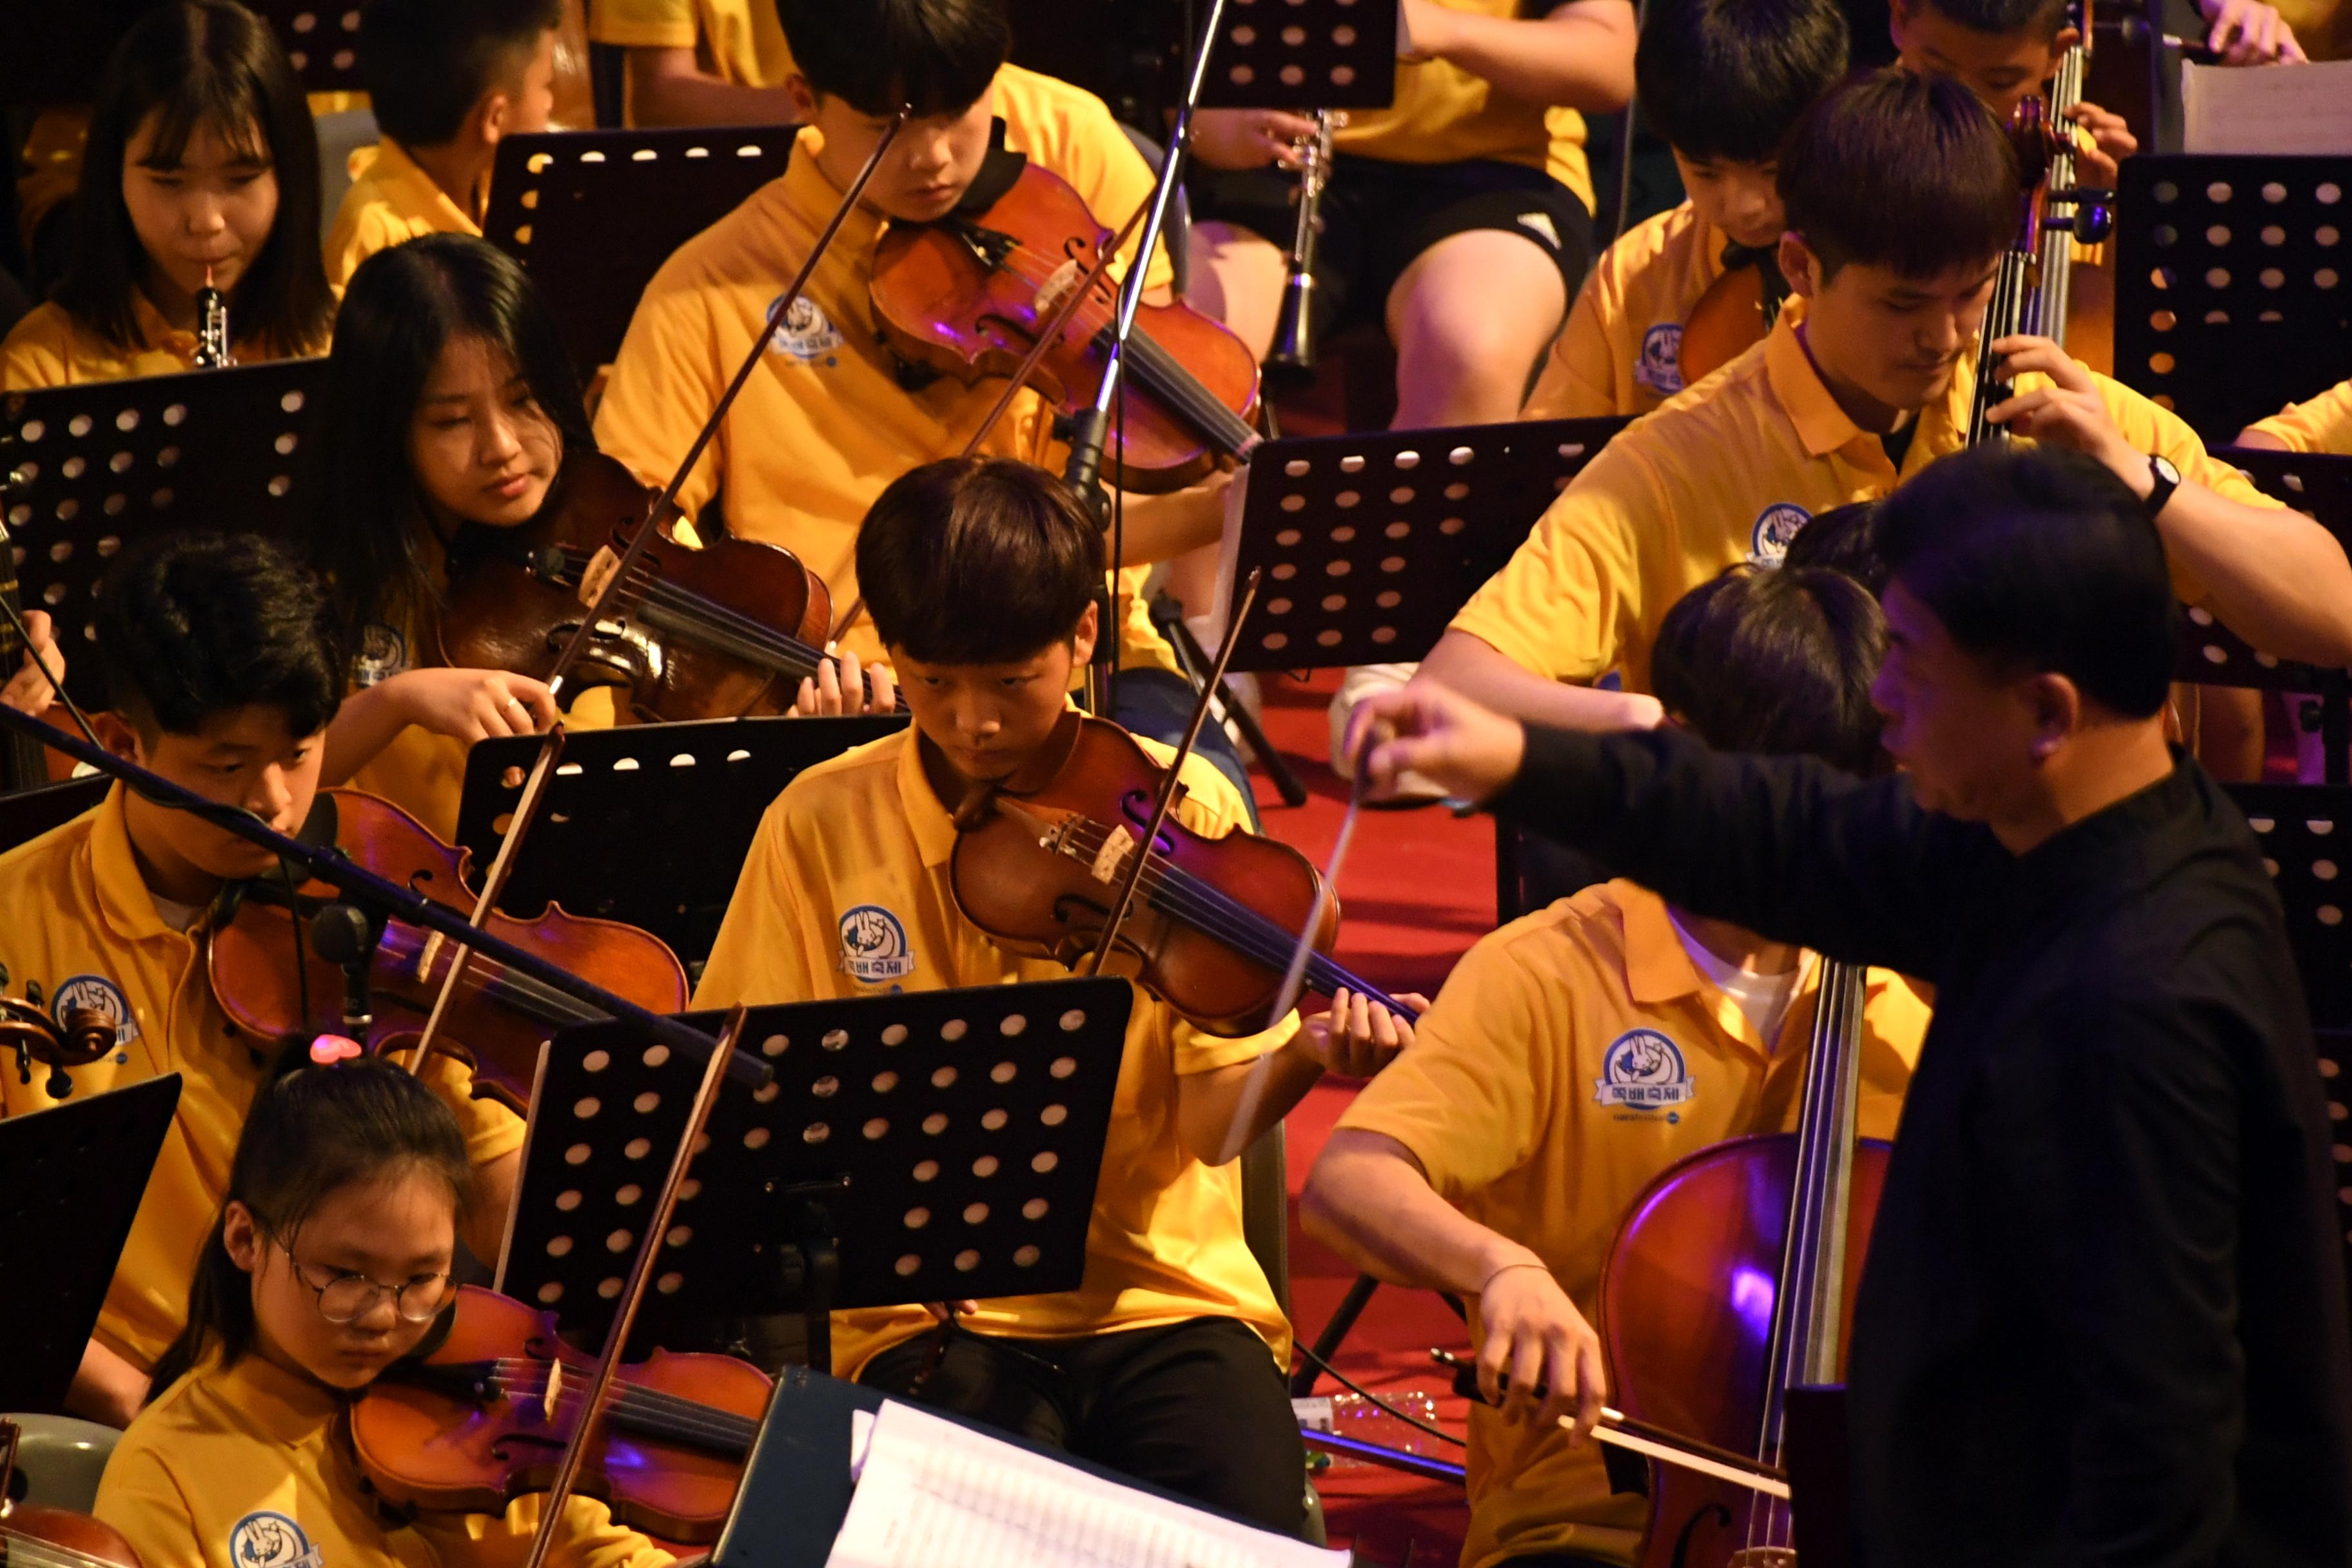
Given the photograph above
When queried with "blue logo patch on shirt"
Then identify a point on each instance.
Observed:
(1776, 525)
(805, 334)
(265, 1539)
(1644, 1071)
(98, 994)
(874, 946)
(383, 653)
(1659, 367)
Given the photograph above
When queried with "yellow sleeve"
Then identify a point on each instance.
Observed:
(2322, 425)
(1103, 166)
(587, 1538)
(360, 230)
(773, 943)
(1564, 603)
(492, 1129)
(664, 381)
(1580, 377)
(32, 356)
(644, 24)
(138, 1495)
(1475, 1094)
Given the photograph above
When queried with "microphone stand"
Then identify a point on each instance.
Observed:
(1091, 426)
(325, 864)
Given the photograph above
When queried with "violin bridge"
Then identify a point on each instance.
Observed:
(554, 1390)
(1113, 854)
(426, 955)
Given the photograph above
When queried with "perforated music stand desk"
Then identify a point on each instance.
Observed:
(2212, 655)
(2233, 283)
(1304, 55)
(648, 823)
(1371, 542)
(57, 52)
(591, 215)
(70, 1181)
(108, 464)
(935, 1144)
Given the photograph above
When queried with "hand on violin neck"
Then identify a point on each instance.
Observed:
(2066, 411)
(2111, 142)
(837, 689)
(1356, 1037)
(28, 690)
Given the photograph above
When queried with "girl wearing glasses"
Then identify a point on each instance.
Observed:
(329, 1261)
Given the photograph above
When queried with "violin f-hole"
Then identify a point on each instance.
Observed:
(1713, 1513)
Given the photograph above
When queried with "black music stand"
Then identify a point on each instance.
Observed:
(2234, 286)
(2212, 655)
(27, 813)
(101, 466)
(70, 1181)
(591, 215)
(920, 1147)
(1371, 542)
(321, 39)
(1305, 55)
(648, 822)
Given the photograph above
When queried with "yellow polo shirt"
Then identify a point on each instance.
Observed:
(2322, 425)
(864, 832)
(1620, 352)
(1647, 520)
(738, 41)
(98, 938)
(390, 200)
(1443, 114)
(50, 348)
(248, 1466)
(1513, 1098)
(824, 424)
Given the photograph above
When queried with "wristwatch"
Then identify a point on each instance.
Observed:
(2167, 479)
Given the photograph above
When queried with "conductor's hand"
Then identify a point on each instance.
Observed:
(27, 691)
(2068, 412)
(1468, 751)
(2111, 143)
(1535, 1338)
(1358, 1036)
(472, 705)
(2248, 33)
(1249, 137)
(836, 689)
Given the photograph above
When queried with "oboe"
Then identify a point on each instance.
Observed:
(212, 328)
(1294, 331)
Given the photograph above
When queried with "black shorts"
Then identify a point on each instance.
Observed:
(1377, 216)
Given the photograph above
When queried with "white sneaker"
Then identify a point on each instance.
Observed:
(1361, 681)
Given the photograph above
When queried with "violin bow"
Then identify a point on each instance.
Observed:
(641, 1272)
(1135, 863)
(1085, 288)
(542, 768)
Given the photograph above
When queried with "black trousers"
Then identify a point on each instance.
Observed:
(1196, 1407)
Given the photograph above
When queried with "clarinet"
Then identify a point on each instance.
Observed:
(212, 328)
(1293, 332)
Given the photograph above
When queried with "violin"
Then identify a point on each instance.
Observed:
(33, 1535)
(482, 1414)
(1731, 1281)
(1735, 313)
(1038, 857)
(501, 1017)
(724, 630)
(967, 296)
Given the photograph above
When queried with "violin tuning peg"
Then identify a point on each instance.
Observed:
(2094, 221)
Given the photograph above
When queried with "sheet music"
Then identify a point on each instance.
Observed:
(930, 1491)
(2267, 109)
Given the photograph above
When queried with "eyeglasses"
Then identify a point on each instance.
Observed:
(345, 1298)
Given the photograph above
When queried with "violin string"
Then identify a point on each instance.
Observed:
(706, 1430)
(531, 1368)
(753, 640)
(25, 1550)
(1211, 911)
(679, 1414)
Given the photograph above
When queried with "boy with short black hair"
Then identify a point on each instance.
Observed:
(982, 576)
(1721, 81)
(1577, 1053)
(1901, 196)
(224, 673)
(448, 79)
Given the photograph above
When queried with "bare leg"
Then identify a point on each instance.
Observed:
(1238, 277)
(1470, 318)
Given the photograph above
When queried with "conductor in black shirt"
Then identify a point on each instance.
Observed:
(2102, 1319)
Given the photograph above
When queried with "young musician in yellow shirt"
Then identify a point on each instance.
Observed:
(2323, 424)
(1721, 81)
(830, 415)
(449, 80)
(700, 62)
(328, 1258)
(224, 677)
(1167, 1361)
(1578, 1052)
(210, 169)
(1901, 193)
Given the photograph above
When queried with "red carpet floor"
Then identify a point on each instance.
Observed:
(1417, 890)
